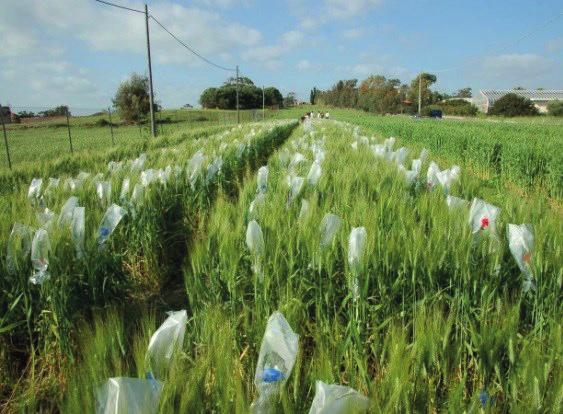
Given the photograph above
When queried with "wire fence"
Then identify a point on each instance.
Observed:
(33, 134)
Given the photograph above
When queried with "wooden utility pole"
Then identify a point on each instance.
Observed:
(238, 112)
(111, 127)
(5, 138)
(151, 95)
(68, 128)
(263, 104)
(419, 93)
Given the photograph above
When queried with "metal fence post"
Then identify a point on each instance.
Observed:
(5, 139)
(111, 127)
(68, 128)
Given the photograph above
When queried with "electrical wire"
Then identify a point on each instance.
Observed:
(120, 7)
(190, 48)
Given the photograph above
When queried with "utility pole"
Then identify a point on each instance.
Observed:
(151, 95)
(5, 138)
(263, 104)
(111, 127)
(238, 112)
(419, 93)
(68, 128)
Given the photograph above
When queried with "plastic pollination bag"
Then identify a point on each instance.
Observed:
(123, 395)
(431, 175)
(40, 248)
(124, 194)
(262, 179)
(147, 177)
(52, 185)
(456, 202)
(314, 173)
(19, 247)
(34, 191)
(521, 245)
(45, 217)
(295, 187)
(258, 202)
(356, 248)
(330, 225)
(483, 216)
(304, 209)
(400, 155)
(194, 166)
(138, 163)
(447, 177)
(337, 399)
(77, 228)
(111, 219)
(410, 175)
(213, 169)
(103, 190)
(67, 210)
(297, 159)
(278, 352)
(165, 341)
(255, 243)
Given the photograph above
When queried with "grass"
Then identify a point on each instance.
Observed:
(440, 318)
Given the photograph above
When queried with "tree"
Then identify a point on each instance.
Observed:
(513, 105)
(61, 110)
(290, 99)
(26, 114)
(464, 93)
(208, 98)
(242, 80)
(555, 108)
(380, 95)
(273, 97)
(427, 79)
(132, 98)
(313, 96)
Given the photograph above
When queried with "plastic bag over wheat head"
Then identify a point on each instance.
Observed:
(262, 179)
(456, 202)
(337, 399)
(431, 175)
(314, 173)
(67, 210)
(194, 166)
(483, 216)
(356, 248)
(125, 187)
(111, 219)
(447, 177)
(304, 211)
(213, 169)
(168, 338)
(123, 395)
(330, 225)
(78, 230)
(40, 248)
(295, 187)
(258, 202)
(255, 239)
(521, 245)
(19, 247)
(34, 190)
(103, 190)
(275, 361)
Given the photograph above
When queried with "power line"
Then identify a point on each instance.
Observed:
(506, 46)
(190, 48)
(119, 7)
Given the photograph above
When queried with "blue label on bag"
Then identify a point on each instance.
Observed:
(272, 375)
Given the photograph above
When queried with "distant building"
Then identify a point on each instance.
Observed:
(540, 98)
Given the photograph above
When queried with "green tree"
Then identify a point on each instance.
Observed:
(313, 96)
(208, 98)
(61, 110)
(464, 93)
(132, 98)
(290, 99)
(426, 80)
(273, 97)
(380, 95)
(513, 105)
(242, 80)
(555, 108)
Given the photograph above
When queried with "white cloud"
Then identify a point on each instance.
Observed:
(352, 33)
(517, 66)
(555, 44)
(303, 65)
(349, 8)
(270, 55)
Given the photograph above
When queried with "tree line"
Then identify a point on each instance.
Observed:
(250, 96)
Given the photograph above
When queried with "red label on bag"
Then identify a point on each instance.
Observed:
(484, 223)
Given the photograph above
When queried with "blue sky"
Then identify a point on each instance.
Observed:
(77, 51)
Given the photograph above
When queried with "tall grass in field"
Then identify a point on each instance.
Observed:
(165, 197)
(439, 321)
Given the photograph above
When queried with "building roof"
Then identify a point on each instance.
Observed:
(531, 94)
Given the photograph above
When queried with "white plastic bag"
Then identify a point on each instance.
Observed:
(67, 210)
(354, 145)
(123, 395)
(431, 175)
(166, 339)
(314, 173)
(456, 202)
(19, 247)
(356, 248)
(45, 217)
(124, 194)
(138, 163)
(337, 399)
(389, 143)
(423, 154)
(147, 177)
(416, 165)
(330, 225)
(483, 216)
(255, 243)
(258, 201)
(278, 352)
(111, 219)
(304, 209)
(103, 190)
(194, 166)
(410, 175)
(34, 190)
(262, 180)
(295, 187)
(521, 245)
(78, 230)
(40, 248)
(138, 193)
(297, 159)
(400, 155)
(213, 169)
(447, 177)
(52, 186)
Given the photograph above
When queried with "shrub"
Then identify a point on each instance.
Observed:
(132, 98)
(513, 105)
(555, 108)
(458, 107)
